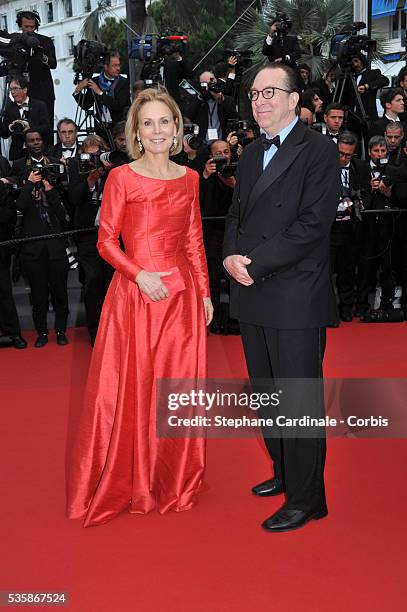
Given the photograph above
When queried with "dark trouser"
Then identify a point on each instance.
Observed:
(213, 232)
(343, 262)
(97, 276)
(376, 249)
(8, 313)
(49, 139)
(402, 233)
(292, 353)
(45, 276)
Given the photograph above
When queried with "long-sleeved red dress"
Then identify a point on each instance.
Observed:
(118, 462)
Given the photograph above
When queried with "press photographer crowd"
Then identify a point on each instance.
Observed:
(52, 176)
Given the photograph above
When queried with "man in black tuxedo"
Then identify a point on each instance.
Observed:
(21, 115)
(276, 250)
(67, 146)
(9, 321)
(109, 92)
(39, 65)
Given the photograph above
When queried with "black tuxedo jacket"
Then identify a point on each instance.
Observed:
(281, 219)
(289, 46)
(375, 80)
(37, 118)
(378, 127)
(41, 84)
(118, 104)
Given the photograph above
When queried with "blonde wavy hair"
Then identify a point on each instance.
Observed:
(132, 123)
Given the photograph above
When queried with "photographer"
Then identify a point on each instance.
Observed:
(87, 178)
(212, 111)
(325, 86)
(225, 74)
(67, 145)
(311, 100)
(110, 93)
(195, 151)
(39, 65)
(355, 177)
(216, 191)
(394, 134)
(379, 229)
(280, 46)
(22, 114)
(9, 322)
(44, 262)
(368, 83)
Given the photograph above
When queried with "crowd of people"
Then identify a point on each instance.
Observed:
(53, 181)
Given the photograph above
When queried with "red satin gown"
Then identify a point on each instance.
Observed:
(118, 462)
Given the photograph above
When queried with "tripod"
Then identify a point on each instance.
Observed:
(92, 118)
(344, 80)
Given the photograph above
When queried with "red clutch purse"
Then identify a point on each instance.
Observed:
(174, 283)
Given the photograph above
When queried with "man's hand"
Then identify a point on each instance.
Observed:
(81, 85)
(363, 89)
(150, 283)
(273, 29)
(34, 177)
(47, 185)
(232, 62)
(92, 85)
(210, 168)
(374, 183)
(236, 267)
(385, 189)
(94, 176)
(232, 139)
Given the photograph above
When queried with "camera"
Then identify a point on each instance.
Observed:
(89, 57)
(380, 172)
(17, 50)
(207, 88)
(116, 158)
(350, 203)
(240, 127)
(193, 141)
(229, 170)
(88, 162)
(220, 161)
(283, 23)
(243, 56)
(49, 172)
(347, 44)
(149, 47)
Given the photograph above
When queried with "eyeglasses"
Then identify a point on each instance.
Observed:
(267, 93)
(347, 155)
(15, 88)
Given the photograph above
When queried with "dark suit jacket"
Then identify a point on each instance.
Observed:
(290, 46)
(38, 119)
(378, 127)
(8, 213)
(281, 219)
(41, 84)
(82, 206)
(118, 104)
(375, 80)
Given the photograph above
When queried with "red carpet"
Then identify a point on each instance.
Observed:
(215, 557)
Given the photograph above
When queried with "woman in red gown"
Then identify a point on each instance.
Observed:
(152, 326)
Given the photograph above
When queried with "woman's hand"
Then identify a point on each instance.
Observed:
(150, 283)
(208, 309)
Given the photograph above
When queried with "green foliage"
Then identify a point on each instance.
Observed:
(114, 35)
(204, 22)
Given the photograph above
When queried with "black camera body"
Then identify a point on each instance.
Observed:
(243, 56)
(89, 57)
(207, 88)
(380, 172)
(17, 52)
(283, 23)
(49, 172)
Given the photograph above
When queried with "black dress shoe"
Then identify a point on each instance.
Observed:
(346, 316)
(62, 340)
(41, 341)
(271, 487)
(19, 342)
(287, 519)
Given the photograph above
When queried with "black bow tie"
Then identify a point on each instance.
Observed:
(68, 148)
(267, 142)
(333, 135)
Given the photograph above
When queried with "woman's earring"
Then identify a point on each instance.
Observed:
(140, 144)
(174, 143)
